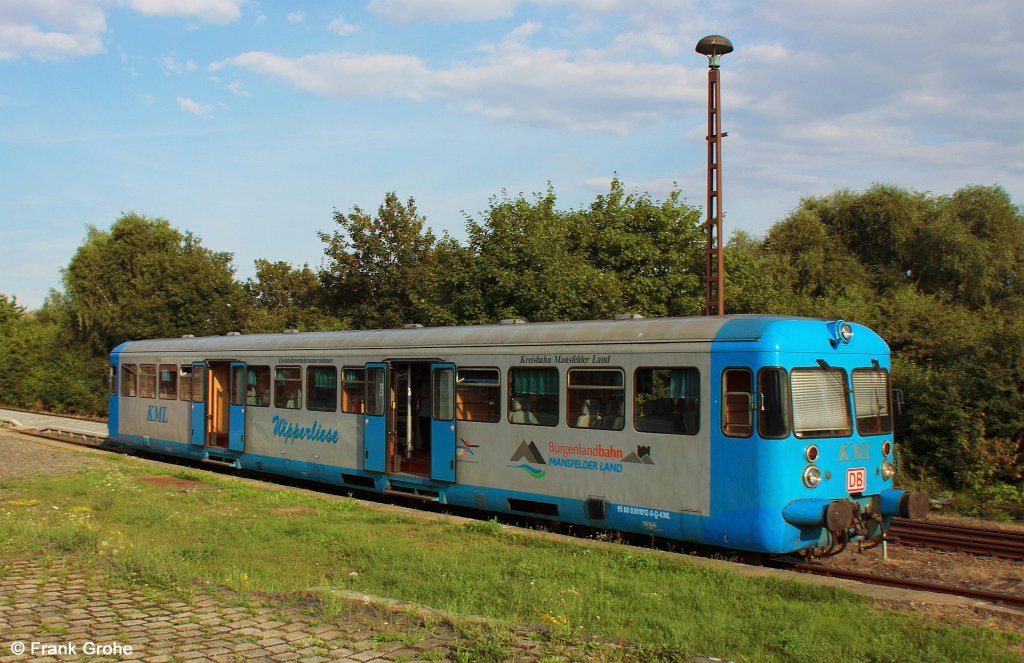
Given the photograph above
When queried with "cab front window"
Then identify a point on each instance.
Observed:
(871, 401)
(821, 407)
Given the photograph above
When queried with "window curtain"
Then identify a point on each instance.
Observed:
(684, 383)
(541, 381)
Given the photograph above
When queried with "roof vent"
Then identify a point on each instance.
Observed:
(513, 321)
(628, 316)
(233, 334)
(412, 325)
(291, 331)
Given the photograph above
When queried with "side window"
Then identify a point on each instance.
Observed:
(533, 396)
(773, 403)
(352, 390)
(441, 394)
(322, 388)
(737, 402)
(376, 391)
(147, 380)
(478, 394)
(667, 400)
(238, 384)
(288, 387)
(871, 401)
(257, 389)
(185, 381)
(198, 384)
(129, 380)
(168, 381)
(595, 399)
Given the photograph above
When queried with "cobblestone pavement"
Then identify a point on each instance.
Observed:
(21, 455)
(50, 613)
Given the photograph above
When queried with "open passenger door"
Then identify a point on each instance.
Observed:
(442, 422)
(236, 408)
(375, 418)
(198, 415)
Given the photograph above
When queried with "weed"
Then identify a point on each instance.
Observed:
(486, 527)
(483, 645)
(401, 637)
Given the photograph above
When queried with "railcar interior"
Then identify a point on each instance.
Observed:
(760, 433)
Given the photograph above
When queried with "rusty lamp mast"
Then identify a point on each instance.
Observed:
(714, 47)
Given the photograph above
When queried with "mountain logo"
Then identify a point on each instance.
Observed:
(529, 452)
(641, 455)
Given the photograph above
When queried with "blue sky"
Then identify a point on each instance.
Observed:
(249, 122)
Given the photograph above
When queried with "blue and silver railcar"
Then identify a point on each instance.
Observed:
(761, 433)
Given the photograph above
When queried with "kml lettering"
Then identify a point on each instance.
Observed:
(156, 413)
(854, 451)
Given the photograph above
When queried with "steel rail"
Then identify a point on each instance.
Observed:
(1007, 544)
(1009, 600)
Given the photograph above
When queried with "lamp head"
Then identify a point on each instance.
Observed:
(714, 47)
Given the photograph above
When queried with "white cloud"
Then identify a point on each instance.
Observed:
(237, 87)
(210, 11)
(513, 82)
(194, 107)
(408, 11)
(296, 17)
(52, 30)
(62, 29)
(340, 26)
(170, 64)
(340, 74)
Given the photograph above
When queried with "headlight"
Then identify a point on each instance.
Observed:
(887, 470)
(812, 476)
(840, 331)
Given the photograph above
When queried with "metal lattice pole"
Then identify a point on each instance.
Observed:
(714, 46)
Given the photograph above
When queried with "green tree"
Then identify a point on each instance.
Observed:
(42, 366)
(529, 266)
(453, 295)
(653, 250)
(284, 297)
(378, 266)
(145, 279)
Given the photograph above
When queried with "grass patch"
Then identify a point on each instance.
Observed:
(258, 539)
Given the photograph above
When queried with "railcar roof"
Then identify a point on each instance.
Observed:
(695, 330)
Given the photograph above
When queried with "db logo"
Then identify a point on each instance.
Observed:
(856, 480)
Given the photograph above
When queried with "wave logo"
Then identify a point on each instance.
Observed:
(532, 471)
(465, 448)
(529, 452)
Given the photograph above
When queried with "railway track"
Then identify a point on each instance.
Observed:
(1008, 600)
(978, 541)
(1006, 544)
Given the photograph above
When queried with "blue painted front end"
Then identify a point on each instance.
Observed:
(755, 480)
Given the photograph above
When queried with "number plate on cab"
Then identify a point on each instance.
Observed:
(856, 480)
